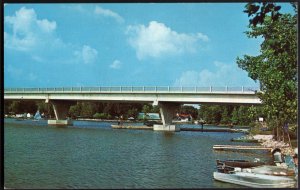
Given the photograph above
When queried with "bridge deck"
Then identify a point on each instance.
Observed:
(134, 89)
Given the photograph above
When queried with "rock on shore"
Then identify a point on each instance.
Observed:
(268, 141)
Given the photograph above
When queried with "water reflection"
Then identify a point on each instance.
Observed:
(93, 155)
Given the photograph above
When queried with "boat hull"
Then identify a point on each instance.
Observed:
(255, 180)
(239, 163)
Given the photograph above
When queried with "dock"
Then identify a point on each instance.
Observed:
(144, 127)
(240, 147)
(212, 130)
(131, 127)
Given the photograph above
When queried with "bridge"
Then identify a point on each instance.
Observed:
(167, 98)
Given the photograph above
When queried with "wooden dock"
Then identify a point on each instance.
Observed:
(212, 130)
(239, 147)
(131, 127)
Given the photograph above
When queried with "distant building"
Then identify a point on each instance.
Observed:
(19, 115)
(184, 117)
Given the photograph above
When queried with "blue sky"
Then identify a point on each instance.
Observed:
(133, 44)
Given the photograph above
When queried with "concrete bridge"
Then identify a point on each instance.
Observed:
(167, 98)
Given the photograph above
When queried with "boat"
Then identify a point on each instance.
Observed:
(131, 127)
(37, 116)
(254, 179)
(150, 123)
(244, 139)
(271, 170)
(239, 163)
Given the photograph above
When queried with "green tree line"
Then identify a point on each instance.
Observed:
(230, 114)
(213, 114)
(97, 110)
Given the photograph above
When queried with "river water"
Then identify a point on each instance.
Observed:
(93, 155)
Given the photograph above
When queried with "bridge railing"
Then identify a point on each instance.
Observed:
(166, 89)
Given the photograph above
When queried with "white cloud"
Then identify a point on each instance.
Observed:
(87, 54)
(156, 40)
(108, 13)
(202, 37)
(116, 64)
(28, 32)
(46, 26)
(37, 37)
(223, 75)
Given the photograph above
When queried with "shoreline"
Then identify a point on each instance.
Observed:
(267, 141)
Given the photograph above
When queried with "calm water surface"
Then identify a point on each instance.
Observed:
(92, 155)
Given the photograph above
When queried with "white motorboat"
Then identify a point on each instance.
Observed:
(255, 180)
(270, 170)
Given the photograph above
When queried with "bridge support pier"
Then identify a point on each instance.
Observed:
(167, 111)
(61, 109)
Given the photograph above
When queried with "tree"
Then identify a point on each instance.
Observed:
(42, 107)
(225, 116)
(243, 115)
(276, 65)
(75, 110)
(235, 116)
(155, 109)
(132, 113)
(258, 12)
(86, 110)
(146, 109)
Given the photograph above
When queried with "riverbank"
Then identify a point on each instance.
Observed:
(268, 141)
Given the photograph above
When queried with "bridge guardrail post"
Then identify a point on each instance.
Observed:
(242, 88)
(181, 88)
(226, 88)
(143, 88)
(210, 88)
(195, 88)
(155, 88)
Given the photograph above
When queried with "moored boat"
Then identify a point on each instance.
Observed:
(271, 170)
(37, 116)
(254, 180)
(239, 163)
